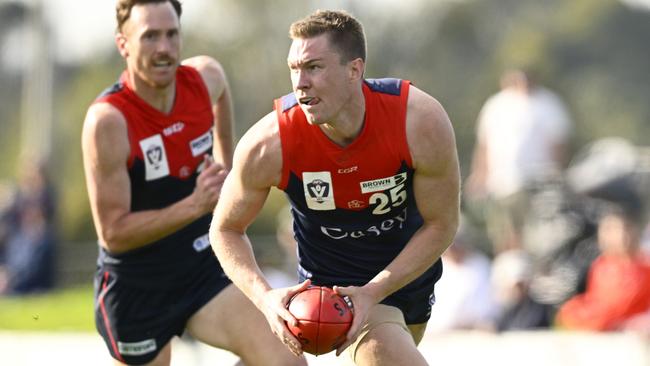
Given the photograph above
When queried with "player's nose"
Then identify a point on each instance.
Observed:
(302, 80)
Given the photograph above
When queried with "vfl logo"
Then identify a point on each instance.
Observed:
(319, 192)
(155, 158)
(318, 189)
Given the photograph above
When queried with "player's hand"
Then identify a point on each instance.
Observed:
(361, 302)
(275, 310)
(208, 185)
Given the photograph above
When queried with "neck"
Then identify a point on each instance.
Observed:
(348, 124)
(160, 98)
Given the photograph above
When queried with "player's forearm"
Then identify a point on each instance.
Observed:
(423, 250)
(137, 229)
(237, 259)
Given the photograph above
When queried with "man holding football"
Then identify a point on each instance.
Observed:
(371, 170)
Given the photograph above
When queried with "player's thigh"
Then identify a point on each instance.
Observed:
(231, 321)
(386, 340)
(388, 344)
(417, 331)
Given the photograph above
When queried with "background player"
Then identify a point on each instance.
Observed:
(371, 170)
(152, 184)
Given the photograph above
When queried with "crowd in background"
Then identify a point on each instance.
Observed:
(547, 241)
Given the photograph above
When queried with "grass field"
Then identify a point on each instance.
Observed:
(60, 310)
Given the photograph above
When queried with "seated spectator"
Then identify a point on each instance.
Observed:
(618, 285)
(517, 310)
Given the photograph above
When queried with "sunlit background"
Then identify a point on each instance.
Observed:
(58, 55)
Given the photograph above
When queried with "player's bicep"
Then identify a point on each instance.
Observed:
(239, 204)
(105, 150)
(256, 168)
(437, 195)
(437, 174)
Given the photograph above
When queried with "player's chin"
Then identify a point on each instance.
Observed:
(314, 119)
(162, 78)
(161, 83)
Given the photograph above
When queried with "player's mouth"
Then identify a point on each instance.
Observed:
(162, 64)
(309, 101)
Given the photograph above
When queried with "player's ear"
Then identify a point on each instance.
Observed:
(120, 42)
(356, 69)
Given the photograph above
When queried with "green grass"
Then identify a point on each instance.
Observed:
(60, 310)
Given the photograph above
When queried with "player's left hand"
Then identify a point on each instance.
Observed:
(362, 302)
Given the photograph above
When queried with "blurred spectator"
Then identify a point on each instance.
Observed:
(511, 278)
(30, 235)
(522, 138)
(463, 294)
(618, 286)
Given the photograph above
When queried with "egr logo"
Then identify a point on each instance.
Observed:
(319, 192)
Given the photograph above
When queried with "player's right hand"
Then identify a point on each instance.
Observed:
(208, 185)
(274, 307)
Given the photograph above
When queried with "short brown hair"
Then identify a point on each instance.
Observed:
(123, 9)
(345, 32)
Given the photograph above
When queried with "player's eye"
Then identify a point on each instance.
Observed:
(148, 36)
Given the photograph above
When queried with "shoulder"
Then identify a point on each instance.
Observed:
(104, 116)
(211, 72)
(259, 152)
(104, 127)
(429, 131)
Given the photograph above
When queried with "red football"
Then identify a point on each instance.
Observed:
(323, 317)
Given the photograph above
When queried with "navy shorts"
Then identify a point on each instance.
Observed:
(414, 300)
(137, 321)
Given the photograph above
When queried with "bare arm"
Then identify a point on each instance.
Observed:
(436, 187)
(215, 79)
(257, 167)
(105, 149)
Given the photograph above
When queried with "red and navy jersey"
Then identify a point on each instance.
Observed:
(166, 152)
(353, 207)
